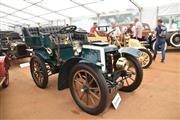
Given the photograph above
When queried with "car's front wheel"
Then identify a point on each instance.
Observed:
(88, 88)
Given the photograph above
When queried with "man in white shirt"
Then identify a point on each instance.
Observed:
(138, 29)
(114, 32)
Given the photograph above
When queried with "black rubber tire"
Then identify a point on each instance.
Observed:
(139, 74)
(102, 84)
(41, 62)
(152, 52)
(6, 82)
(150, 58)
(174, 36)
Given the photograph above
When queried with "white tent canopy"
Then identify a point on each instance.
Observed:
(35, 12)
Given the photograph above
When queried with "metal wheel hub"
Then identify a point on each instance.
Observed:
(176, 40)
(144, 59)
(126, 78)
(85, 88)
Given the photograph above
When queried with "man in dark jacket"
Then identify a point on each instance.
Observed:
(160, 39)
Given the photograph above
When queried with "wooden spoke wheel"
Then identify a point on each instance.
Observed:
(134, 75)
(39, 72)
(88, 88)
(145, 59)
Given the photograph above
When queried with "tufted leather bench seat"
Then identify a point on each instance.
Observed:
(33, 36)
(35, 31)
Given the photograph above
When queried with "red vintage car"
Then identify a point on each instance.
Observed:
(4, 74)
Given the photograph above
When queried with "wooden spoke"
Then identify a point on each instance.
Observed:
(132, 72)
(93, 88)
(91, 81)
(82, 95)
(87, 98)
(94, 95)
(79, 81)
(80, 76)
(127, 82)
(92, 100)
(131, 79)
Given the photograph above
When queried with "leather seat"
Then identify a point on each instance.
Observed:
(34, 31)
(33, 36)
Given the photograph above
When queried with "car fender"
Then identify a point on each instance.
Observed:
(132, 51)
(65, 70)
(42, 54)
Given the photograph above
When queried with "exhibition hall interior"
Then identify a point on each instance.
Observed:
(89, 59)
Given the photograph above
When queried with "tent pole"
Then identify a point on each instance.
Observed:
(70, 21)
(157, 14)
(139, 8)
(98, 19)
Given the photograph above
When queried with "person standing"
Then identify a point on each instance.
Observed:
(137, 29)
(160, 32)
(115, 31)
(129, 29)
(93, 28)
(114, 34)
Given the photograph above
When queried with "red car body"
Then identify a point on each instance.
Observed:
(4, 74)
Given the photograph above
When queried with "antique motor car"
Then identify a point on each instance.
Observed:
(90, 70)
(173, 37)
(4, 74)
(101, 35)
(147, 55)
(148, 38)
(12, 45)
(146, 29)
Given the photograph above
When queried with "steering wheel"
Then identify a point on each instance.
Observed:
(68, 29)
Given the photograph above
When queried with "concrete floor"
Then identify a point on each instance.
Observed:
(158, 97)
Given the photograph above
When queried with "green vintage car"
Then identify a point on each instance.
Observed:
(89, 69)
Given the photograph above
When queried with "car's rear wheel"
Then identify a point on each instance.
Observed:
(88, 88)
(134, 75)
(38, 71)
